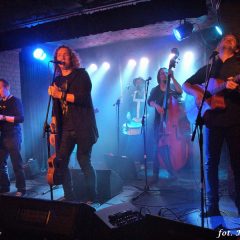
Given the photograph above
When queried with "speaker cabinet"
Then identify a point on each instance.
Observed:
(123, 165)
(108, 184)
(35, 218)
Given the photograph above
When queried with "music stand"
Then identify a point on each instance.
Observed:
(117, 104)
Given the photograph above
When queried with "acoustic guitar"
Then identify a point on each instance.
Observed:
(55, 174)
(214, 101)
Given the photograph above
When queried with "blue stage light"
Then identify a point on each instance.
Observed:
(106, 65)
(183, 31)
(219, 30)
(132, 63)
(144, 61)
(93, 67)
(39, 54)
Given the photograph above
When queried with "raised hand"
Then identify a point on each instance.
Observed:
(54, 91)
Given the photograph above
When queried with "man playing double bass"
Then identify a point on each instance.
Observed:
(221, 124)
(155, 100)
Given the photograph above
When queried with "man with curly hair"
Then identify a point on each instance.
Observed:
(73, 118)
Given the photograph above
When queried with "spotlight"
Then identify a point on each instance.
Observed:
(39, 54)
(132, 63)
(171, 55)
(219, 30)
(93, 67)
(144, 61)
(106, 65)
(183, 31)
(188, 60)
(188, 56)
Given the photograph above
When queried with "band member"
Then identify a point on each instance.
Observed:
(134, 105)
(221, 124)
(155, 100)
(134, 100)
(73, 116)
(11, 115)
(138, 98)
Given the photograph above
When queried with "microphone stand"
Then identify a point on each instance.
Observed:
(143, 130)
(199, 125)
(117, 104)
(47, 131)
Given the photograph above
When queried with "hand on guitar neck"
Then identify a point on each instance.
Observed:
(231, 83)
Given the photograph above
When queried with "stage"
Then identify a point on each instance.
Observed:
(175, 199)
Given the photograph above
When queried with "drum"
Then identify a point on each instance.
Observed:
(131, 128)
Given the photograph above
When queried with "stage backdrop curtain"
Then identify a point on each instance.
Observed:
(35, 79)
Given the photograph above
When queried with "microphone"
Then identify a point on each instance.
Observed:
(57, 62)
(117, 102)
(214, 54)
(149, 79)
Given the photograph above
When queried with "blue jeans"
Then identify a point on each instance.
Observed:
(68, 141)
(214, 141)
(10, 144)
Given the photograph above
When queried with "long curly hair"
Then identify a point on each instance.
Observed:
(159, 72)
(74, 58)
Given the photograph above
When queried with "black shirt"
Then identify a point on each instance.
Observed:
(11, 107)
(222, 70)
(63, 83)
(157, 96)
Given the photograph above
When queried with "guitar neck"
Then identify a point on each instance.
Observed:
(222, 86)
(218, 89)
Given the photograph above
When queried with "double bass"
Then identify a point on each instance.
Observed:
(174, 128)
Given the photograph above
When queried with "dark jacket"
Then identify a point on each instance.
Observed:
(82, 112)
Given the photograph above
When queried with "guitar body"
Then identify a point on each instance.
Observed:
(55, 174)
(215, 102)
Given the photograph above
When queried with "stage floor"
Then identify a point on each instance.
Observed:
(172, 198)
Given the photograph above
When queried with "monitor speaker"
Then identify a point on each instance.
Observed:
(36, 218)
